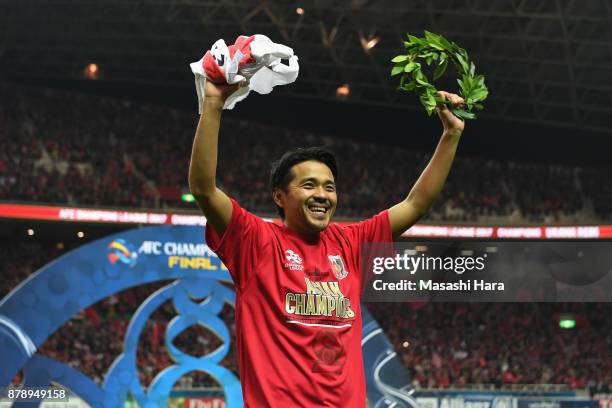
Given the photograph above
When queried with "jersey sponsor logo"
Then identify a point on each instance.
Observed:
(337, 266)
(294, 261)
(317, 274)
(292, 256)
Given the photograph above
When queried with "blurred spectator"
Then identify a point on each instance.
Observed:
(455, 344)
(67, 148)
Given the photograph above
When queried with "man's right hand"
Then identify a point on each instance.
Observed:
(218, 93)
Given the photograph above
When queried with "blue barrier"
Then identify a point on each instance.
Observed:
(41, 304)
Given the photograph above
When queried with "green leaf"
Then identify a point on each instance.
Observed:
(431, 110)
(410, 47)
(414, 40)
(461, 85)
(410, 66)
(446, 44)
(454, 48)
(462, 62)
(400, 58)
(409, 86)
(434, 40)
(397, 70)
(440, 69)
(479, 95)
(463, 114)
(467, 85)
(431, 36)
(431, 101)
(420, 78)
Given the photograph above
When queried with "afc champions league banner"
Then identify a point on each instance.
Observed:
(47, 299)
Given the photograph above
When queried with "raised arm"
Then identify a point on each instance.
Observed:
(427, 188)
(215, 204)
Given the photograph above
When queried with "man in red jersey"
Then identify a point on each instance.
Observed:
(298, 285)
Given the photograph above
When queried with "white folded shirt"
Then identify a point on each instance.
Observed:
(261, 76)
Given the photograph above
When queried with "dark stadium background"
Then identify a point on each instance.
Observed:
(548, 66)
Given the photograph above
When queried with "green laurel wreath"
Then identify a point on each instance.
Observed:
(435, 49)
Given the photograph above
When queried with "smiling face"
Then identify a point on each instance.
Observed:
(310, 199)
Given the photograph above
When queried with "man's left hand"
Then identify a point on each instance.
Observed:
(452, 124)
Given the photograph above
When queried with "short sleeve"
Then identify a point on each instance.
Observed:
(241, 243)
(373, 230)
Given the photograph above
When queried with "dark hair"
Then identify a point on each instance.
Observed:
(281, 174)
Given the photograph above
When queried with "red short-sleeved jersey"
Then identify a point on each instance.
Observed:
(298, 315)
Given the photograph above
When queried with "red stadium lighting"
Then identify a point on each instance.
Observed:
(343, 91)
(92, 71)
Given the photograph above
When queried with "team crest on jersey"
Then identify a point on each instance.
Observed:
(294, 261)
(337, 266)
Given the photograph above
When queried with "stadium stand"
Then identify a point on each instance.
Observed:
(78, 149)
(451, 345)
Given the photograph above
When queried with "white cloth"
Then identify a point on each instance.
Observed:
(262, 76)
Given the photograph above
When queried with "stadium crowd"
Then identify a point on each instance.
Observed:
(77, 149)
(452, 344)
(442, 345)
